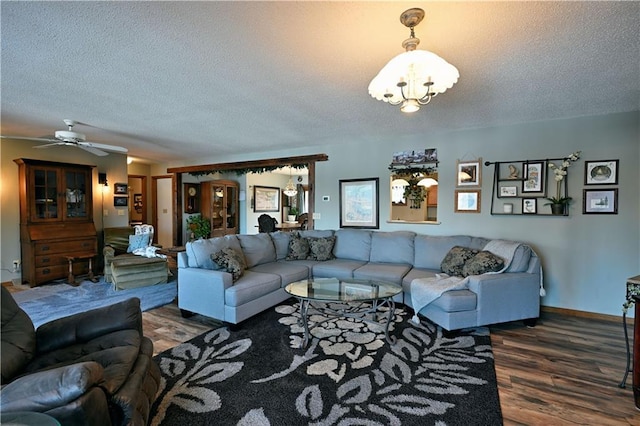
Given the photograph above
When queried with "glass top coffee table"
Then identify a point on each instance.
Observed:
(364, 300)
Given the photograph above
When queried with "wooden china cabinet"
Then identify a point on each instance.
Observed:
(219, 202)
(56, 220)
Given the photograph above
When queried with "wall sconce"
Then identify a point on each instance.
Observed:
(102, 179)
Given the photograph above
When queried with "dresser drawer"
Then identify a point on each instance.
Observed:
(58, 258)
(83, 245)
(48, 273)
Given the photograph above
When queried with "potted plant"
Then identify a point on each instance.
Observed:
(200, 226)
(558, 203)
(292, 216)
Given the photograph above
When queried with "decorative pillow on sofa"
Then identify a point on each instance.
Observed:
(230, 260)
(321, 248)
(136, 242)
(455, 259)
(298, 247)
(481, 263)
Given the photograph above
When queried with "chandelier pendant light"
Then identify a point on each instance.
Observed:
(290, 190)
(414, 77)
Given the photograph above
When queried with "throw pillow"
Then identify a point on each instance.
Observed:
(230, 260)
(455, 259)
(321, 248)
(481, 263)
(298, 247)
(137, 242)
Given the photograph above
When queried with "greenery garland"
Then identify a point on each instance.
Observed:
(244, 171)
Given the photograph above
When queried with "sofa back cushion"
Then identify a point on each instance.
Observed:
(431, 250)
(258, 249)
(354, 244)
(281, 243)
(392, 247)
(18, 344)
(521, 258)
(316, 233)
(199, 251)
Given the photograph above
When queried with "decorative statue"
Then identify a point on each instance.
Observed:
(513, 172)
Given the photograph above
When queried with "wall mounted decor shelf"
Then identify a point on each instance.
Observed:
(521, 187)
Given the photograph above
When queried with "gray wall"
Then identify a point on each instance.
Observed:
(586, 258)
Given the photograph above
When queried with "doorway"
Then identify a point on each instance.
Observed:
(137, 187)
(162, 190)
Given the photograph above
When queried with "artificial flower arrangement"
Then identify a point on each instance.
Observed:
(560, 171)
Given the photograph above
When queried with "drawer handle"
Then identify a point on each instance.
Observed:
(46, 260)
(46, 271)
(44, 248)
(85, 244)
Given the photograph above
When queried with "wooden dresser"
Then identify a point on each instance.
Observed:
(56, 219)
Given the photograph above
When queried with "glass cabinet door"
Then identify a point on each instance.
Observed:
(75, 194)
(232, 212)
(45, 194)
(218, 206)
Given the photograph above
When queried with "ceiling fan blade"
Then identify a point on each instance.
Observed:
(29, 139)
(49, 145)
(106, 147)
(94, 151)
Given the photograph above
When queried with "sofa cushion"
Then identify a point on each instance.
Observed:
(230, 260)
(316, 233)
(431, 250)
(453, 263)
(251, 286)
(321, 248)
(281, 243)
(257, 249)
(289, 271)
(137, 242)
(199, 252)
(390, 272)
(482, 263)
(336, 268)
(298, 247)
(18, 336)
(392, 247)
(520, 261)
(354, 244)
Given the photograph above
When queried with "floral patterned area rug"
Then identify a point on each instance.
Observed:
(347, 375)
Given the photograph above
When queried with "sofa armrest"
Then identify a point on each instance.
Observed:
(202, 291)
(85, 326)
(49, 389)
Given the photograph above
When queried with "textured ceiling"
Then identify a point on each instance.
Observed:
(173, 80)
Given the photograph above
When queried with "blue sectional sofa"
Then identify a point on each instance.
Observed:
(398, 257)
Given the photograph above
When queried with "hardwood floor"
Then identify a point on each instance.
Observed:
(564, 371)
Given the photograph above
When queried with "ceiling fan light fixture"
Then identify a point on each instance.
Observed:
(413, 77)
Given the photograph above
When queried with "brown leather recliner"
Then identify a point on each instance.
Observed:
(92, 368)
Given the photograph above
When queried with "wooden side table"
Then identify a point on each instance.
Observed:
(633, 290)
(172, 256)
(71, 279)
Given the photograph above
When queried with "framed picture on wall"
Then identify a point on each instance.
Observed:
(467, 201)
(529, 206)
(266, 199)
(359, 203)
(120, 188)
(600, 201)
(601, 172)
(469, 173)
(534, 174)
(120, 201)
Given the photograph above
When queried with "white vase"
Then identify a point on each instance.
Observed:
(291, 218)
(507, 208)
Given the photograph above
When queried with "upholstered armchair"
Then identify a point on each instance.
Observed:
(125, 269)
(92, 368)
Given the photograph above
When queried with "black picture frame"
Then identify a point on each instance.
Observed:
(600, 201)
(120, 201)
(266, 199)
(603, 172)
(534, 174)
(360, 203)
(529, 206)
(120, 188)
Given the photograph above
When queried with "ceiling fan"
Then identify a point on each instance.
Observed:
(71, 138)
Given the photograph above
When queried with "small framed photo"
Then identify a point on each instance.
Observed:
(120, 201)
(600, 201)
(359, 203)
(467, 201)
(266, 199)
(508, 191)
(534, 174)
(120, 188)
(469, 173)
(529, 206)
(601, 172)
